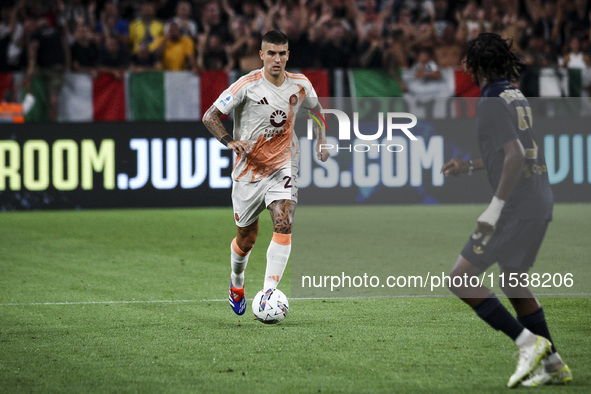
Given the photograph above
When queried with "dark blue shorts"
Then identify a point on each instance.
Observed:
(514, 244)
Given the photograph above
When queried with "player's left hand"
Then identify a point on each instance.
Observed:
(323, 154)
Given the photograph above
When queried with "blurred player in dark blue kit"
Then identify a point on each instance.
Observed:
(511, 230)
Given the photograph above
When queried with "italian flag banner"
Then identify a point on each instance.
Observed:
(150, 96)
(181, 95)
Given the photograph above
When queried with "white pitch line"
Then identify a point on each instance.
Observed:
(577, 295)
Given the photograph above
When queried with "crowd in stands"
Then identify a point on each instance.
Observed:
(113, 36)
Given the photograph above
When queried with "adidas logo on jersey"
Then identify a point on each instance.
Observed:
(263, 101)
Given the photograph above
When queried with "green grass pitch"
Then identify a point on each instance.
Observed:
(129, 301)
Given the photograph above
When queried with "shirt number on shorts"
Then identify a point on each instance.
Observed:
(287, 182)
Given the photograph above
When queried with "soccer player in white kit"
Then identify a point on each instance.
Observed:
(265, 104)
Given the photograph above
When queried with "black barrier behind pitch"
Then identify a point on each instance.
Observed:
(108, 165)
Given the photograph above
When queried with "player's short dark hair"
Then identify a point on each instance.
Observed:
(275, 37)
(490, 56)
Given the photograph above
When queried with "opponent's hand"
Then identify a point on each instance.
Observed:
(240, 147)
(487, 221)
(455, 167)
(323, 154)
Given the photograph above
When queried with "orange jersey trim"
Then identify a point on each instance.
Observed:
(245, 82)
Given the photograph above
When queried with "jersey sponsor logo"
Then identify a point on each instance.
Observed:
(278, 118)
(263, 101)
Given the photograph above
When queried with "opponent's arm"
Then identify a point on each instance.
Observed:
(514, 158)
(457, 167)
(211, 120)
(320, 133)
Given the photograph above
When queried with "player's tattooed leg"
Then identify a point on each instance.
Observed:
(282, 212)
(247, 236)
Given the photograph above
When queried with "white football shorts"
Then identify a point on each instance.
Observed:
(249, 199)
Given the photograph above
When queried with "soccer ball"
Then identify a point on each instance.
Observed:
(270, 306)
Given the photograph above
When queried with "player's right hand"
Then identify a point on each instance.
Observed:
(240, 147)
(455, 167)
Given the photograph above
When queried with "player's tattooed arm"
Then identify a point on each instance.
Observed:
(282, 212)
(320, 134)
(212, 120)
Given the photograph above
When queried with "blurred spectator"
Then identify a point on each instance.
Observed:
(212, 21)
(112, 24)
(145, 29)
(213, 54)
(449, 52)
(536, 55)
(577, 19)
(469, 21)
(371, 48)
(575, 58)
(440, 17)
(549, 23)
(338, 48)
(303, 51)
(183, 19)
(425, 67)
(11, 37)
(144, 60)
(113, 58)
(246, 53)
(49, 58)
(84, 51)
(395, 57)
(77, 12)
(176, 50)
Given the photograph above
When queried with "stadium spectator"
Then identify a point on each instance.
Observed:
(448, 53)
(213, 22)
(371, 51)
(84, 51)
(549, 22)
(469, 22)
(77, 12)
(425, 67)
(339, 46)
(213, 54)
(144, 60)
(440, 16)
(176, 50)
(246, 54)
(112, 24)
(49, 58)
(113, 58)
(577, 19)
(11, 37)
(395, 57)
(145, 28)
(302, 50)
(575, 58)
(183, 19)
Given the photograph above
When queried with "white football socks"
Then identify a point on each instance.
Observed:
(239, 261)
(277, 256)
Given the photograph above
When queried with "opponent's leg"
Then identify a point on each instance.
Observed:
(239, 253)
(532, 348)
(531, 315)
(282, 212)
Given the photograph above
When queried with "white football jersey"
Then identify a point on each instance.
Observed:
(264, 114)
